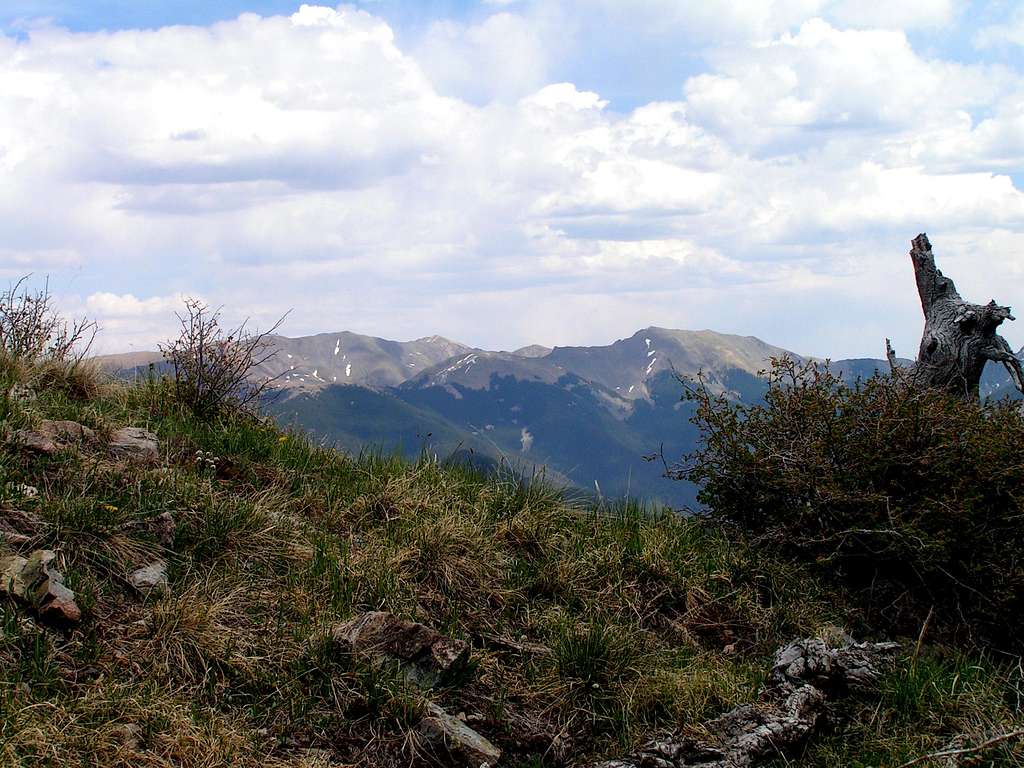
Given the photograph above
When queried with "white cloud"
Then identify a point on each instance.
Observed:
(823, 82)
(310, 162)
(111, 305)
(15, 264)
(504, 56)
(1008, 33)
(906, 14)
(126, 322)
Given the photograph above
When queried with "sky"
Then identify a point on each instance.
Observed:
(509, 172)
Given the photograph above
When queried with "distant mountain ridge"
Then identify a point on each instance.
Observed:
(587, 415)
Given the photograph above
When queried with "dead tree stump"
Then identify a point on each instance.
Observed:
(959, 337)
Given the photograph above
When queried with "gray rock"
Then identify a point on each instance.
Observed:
(18, 527)
(429, 656)
(34, 582)
(36, 442)
(440, 731)
(134, 443)
(53, 436)
(21, 393)
(128, 735)
(151, 578)
(160, 528)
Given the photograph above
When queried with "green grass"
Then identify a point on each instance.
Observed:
(634, 621)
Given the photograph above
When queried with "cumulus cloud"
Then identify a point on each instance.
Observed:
(503, 56)
(907, 14)
(450, 186)
(111, 305)
(820, 82)
(126, 322)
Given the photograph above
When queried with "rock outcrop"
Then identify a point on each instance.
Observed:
(806, 675)
(51, 437)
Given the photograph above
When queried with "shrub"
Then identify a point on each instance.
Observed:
(913, 499)
(40, 347)
(214, 369)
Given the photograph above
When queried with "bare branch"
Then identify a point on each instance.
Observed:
(890, 355)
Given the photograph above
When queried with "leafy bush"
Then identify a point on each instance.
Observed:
(913, 499)
(214, 369)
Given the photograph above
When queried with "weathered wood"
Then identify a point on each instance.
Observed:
(959, 337)
(806, 677)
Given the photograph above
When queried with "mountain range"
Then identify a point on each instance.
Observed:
(587, 417)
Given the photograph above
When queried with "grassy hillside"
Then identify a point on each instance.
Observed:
(590, 628)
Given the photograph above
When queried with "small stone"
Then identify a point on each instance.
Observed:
(53, 436)
(448, 655)
(36, 442)
(152, 577)
(18, 527)
(432, 656)
(161, 528)
(21, 393)
(128, 735)
(33, 581)
(11, 568)
(134, 443)
(57, 605)
(442, 731)
(21, 521)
